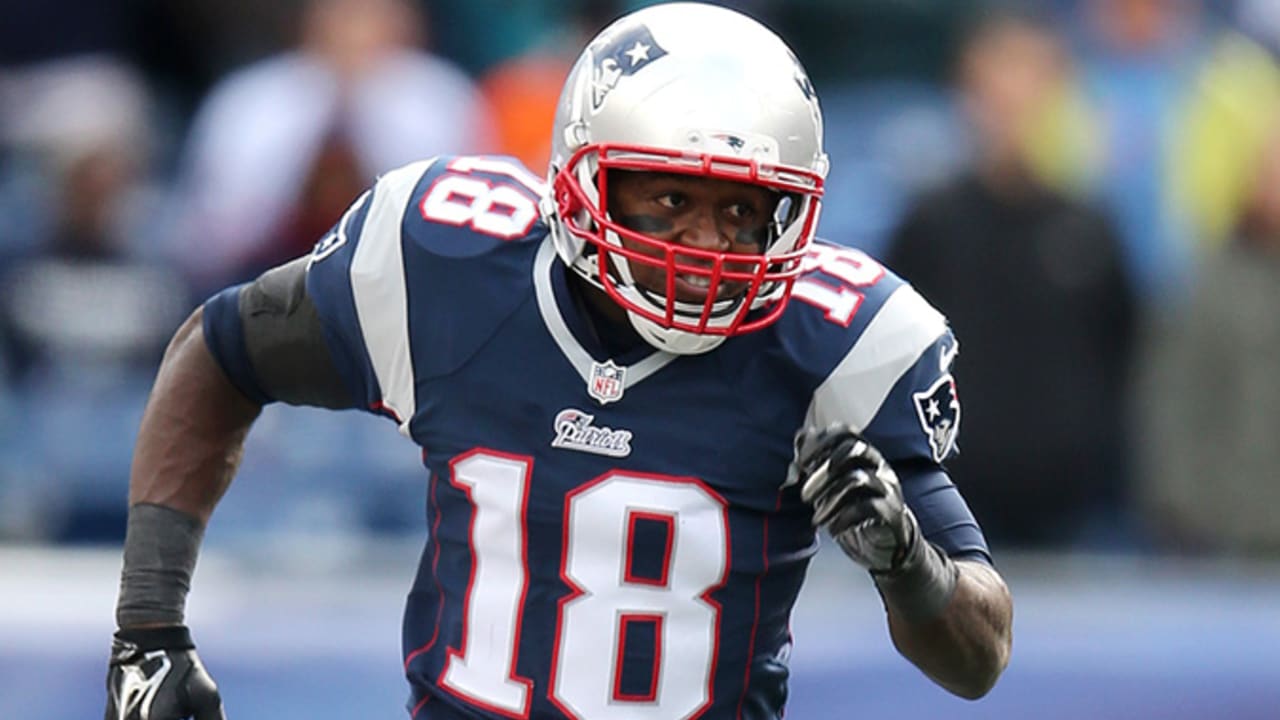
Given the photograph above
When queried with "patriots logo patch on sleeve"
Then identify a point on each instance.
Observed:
(938, 409)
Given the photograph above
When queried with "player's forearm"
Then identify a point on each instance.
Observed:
(192, 432)
(188, 447)
(967, 647)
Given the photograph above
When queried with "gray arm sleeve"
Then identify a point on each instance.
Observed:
(285, 342)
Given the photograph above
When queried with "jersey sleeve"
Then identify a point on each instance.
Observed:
(920, 417)
(944, 517)
(356, 279)
(293, 334)
(917, 428)
(895, 386)
(886, 384)
(354, 323)
(267, 338)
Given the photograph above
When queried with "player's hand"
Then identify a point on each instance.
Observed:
(155, 674)
(856, 497)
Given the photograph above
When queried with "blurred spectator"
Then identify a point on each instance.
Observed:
(1210, 401)
(80, 297)
(281, 147)
(1226, 122)
(861, 40)
(523, 90)
(85, 307)
(486, 33)
(1260, 20)
(523, 93)
(1140, 61)
(1035, 288)
(888, 142)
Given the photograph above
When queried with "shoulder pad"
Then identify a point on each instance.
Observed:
(837, 296)
(470, 205)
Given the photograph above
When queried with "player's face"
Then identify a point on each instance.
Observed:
(701, 213)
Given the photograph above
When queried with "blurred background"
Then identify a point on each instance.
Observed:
(1089, 189)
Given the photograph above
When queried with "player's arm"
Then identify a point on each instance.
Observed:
(247, 346)
(949, 611)
(192, 430)
(966, 646)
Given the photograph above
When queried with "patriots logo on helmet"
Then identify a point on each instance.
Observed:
(734, 142)
(938, 409)
(806, 86)
(623, 55)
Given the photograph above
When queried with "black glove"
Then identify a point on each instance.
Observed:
(856, 497)
(155, 674)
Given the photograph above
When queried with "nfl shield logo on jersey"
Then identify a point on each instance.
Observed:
(939, 411)
(606, 382)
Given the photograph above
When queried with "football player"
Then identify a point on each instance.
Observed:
(641, 388)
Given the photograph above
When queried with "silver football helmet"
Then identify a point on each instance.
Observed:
(699, 90)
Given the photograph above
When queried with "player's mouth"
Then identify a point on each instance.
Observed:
(696, 287)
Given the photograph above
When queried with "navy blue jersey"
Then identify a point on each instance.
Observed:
(609, 537)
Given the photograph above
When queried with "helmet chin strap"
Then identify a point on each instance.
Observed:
(676, 342)
(672, 340)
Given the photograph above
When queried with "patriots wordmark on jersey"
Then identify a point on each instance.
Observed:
(609, 536)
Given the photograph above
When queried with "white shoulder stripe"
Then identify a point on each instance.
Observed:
(378, 286)
(893, 341)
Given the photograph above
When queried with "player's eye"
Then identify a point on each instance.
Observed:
(671, 200)
(741, 211)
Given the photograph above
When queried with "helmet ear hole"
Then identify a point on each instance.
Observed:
(785, 212)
